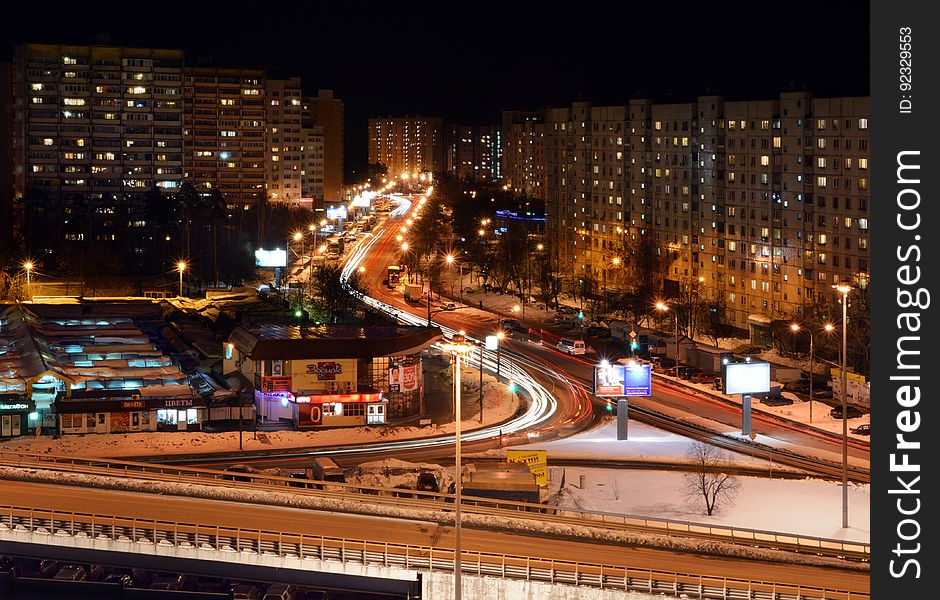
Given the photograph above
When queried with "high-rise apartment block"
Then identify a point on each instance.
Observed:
(326, 112)
(523, 152)
(94, 120)
(474, 152)
(285, 142)
(761, 205)
(407, 144)
(312, 168)
(225, 133)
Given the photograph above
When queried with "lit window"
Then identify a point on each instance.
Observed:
(821, 162)
(862, 163)
(821, 181)
(863, 123)
(47, 141)
(778, 142)
(764, 160)
(862, 183)
(821, 143)
(36, 87)
(137, 89)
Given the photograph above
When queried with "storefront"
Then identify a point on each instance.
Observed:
(331, 375)
(123, 411)
(15, 411)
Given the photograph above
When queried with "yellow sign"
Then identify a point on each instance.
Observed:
(537, 461)
(849, 375)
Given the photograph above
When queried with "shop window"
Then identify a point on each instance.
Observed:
(192, 416)
(135, 419)
(101, 418)
(376, 414)
(166, 417)
(355, 409)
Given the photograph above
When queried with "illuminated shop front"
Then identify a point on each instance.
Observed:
(331, 375)
(124, 411)
(17, 415)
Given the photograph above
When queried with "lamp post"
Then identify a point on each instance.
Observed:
(181, 266)
(459, 346)
(499, 344)
(661, 306)
(28, 267)
(844, 290)
(795, 327)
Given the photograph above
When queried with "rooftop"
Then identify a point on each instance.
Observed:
(285, 342)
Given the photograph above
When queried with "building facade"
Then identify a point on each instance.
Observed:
(331, 375)
(225, 132)
(285, 141)
(523, 152)
(407, 144)
(760, 206)
(474, 152)
(312, 187)
(327, 112)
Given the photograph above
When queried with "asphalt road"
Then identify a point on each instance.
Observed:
(358, 527)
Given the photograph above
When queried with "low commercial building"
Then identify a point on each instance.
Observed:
(14, 414)
(331, 375)
(123, 411)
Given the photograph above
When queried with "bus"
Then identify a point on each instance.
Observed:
(394, 275)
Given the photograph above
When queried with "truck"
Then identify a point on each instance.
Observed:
(413, 292)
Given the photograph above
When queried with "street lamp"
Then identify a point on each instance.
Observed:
(28, 267)
(181, 266)
(661, 306)
(459, 346)
(844, 290)
(500, 335)
(795, 328)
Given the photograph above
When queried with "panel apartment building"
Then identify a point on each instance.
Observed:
(225, 133)
(407, 144)
(326, 112)
(474, 152)
(762, 204)
(523, 152)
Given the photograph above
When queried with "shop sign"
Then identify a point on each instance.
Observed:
(325, 371)
(275, 383)
(15, 406)
(133, 404)
(180, 402)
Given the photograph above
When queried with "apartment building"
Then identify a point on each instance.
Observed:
(224, 131)
(313, 169)
(327, 112)
(96, 120)
(285, 141)
(759, 205)
(523, 152)
(407, 144)
(6, 159)
(474, 152)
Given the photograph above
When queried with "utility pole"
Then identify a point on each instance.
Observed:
(481, 383)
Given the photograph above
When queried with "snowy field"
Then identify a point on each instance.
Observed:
(808, 507)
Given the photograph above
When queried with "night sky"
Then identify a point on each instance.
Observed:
(466, 61)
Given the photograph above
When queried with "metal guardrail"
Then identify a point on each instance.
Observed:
(142, 532)
(436, 501)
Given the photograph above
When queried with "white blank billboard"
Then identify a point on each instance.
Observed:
(271, 258)
(747, 378)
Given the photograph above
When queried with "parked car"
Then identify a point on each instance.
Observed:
(301, 479)
(686, 372)
(717, 384)
(449, 305)
(165, 582)
(863, 429)
(822, 394)
(71, 573)
(48, 567)
(243, 591)
(776, 401)
(427, 482)
(239, 469)
(851, 412)
(702, 377)
(282, 591)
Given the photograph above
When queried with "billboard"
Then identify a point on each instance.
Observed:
(622, 380)
(271, 258)
(338, 212)
(746, 378)
(403, 378)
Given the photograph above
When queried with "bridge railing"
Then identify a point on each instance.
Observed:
(142, 534)
(436, 501)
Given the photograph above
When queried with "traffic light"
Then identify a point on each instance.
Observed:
(512, 386)
(580, 314)
(610, 407)
(298, 313)
(634, 345)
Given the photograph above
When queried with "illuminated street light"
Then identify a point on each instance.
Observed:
(795, 328)
(181, 266)
(541, 247)
(459, 346)
(28, 267)
(661, 306)
(404, 246)
(297, 236)
(399, 237)
(844, 290)
(322, 222)
(450, 259)
(481, 232)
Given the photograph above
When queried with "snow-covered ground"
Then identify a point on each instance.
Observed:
(498, 408)
(809, 507)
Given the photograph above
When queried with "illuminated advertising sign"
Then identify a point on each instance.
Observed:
(338, 212)
(622, 380)
(325, 371)
(746, 378)
(271, 258)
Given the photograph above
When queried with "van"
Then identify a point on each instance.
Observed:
(569, 346)
(326, 469)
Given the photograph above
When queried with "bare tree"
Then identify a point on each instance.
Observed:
(709, 478)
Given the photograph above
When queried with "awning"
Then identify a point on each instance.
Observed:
(759, 319)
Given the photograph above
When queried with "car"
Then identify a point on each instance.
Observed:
(243, 591)
(822, 394)
(702, 377)
(239, 469)
(281, 591)
(776, 401)
(449, 306)
(332, 256)
(863, 429)
(686, 372)
(851, 412)
(573, 347)
(300, 476)
(427, 482)
(121, 579)
(71, 573)
(99, 572)
(717, 383)
(165, 582)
